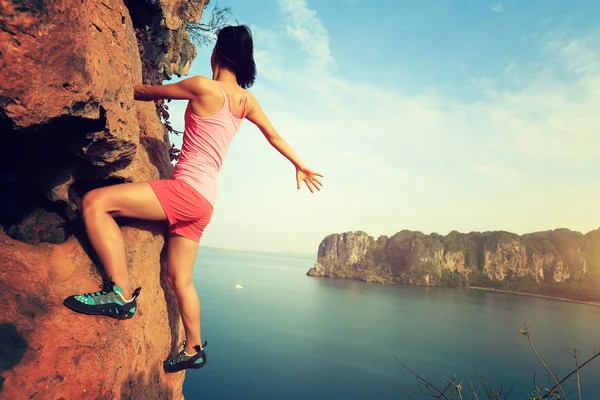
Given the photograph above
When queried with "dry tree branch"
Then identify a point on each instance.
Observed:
(427, 383)
(482, 382)
(475, 397)
(203, 32)
(525, 332)
(573, 372)
(574, 355)
(512, 387)
(450, 384)
(458, 387)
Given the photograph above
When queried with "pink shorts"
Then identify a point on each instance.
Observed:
(187, 210)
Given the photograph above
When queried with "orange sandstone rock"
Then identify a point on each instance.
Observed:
(68, 124)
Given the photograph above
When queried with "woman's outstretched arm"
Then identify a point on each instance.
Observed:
(257, 116)
(186, 89)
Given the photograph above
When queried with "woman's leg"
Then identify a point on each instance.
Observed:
(180, 263)
(100, 206)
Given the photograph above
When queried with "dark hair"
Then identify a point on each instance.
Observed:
(235, 51)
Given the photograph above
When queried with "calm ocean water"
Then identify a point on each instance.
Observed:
(289, 336)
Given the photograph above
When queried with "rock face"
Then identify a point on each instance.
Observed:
(68, 124)
(559, 262)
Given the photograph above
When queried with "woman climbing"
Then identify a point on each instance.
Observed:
(216, 108)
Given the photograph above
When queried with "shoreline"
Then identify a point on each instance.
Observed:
(532, 294)
(591, 303)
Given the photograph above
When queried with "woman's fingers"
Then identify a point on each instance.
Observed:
(312, 185)
(308, 185)
(310, 179)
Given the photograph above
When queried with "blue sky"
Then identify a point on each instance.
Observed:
(432, 116)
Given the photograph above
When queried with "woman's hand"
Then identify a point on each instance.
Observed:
(309, 177)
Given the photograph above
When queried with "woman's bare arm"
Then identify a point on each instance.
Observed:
(187, 89)
(257, 116)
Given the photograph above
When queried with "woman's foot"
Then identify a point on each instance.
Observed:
(183, 360)
(109, 301)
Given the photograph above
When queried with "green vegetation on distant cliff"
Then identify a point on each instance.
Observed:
(456, 242)
(453, 279)
(559, 263)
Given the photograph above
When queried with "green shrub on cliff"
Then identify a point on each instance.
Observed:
(453, 279)
(398, 251)
(480, 279)
(591, 251)
(562, 243)
(456, 242)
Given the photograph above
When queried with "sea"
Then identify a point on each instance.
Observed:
(286, 335)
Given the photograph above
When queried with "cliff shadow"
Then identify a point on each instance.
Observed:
(158, 153)
(12, 348)
(146, 385)
(33, 162)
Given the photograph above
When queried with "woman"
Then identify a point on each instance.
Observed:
(215, 110)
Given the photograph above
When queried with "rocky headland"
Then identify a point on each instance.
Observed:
(558, 263)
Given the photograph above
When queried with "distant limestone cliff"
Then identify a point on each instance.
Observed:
(560, 263)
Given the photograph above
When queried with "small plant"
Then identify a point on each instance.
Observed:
(174, 153)
(158, 41)
(162, 110)
(202, 33)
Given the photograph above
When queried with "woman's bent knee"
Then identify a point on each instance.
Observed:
(92, 202)
(171, 282)
(179, 284)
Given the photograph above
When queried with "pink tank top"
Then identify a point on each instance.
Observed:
(205, 142)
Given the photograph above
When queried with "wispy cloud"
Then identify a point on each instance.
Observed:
(546, 120)
(497, 8)
(308, 30)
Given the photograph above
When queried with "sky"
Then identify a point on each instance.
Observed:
(430, 116)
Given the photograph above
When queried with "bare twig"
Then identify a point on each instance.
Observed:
(490, 378)
(430, 386)
(203, 32)
(482, 382)
(475, 397)
(458, 387)
(577, 373)
(509, 391)
(573, 372)
(525, 332)
(450, 383)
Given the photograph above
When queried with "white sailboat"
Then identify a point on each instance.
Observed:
(239, 285)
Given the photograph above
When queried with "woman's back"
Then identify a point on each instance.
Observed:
(211, 122)
(213, 99)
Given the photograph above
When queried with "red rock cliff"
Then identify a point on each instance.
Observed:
(68, 123)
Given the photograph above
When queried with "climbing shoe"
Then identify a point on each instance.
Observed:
(108, 301)
(184, 360)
